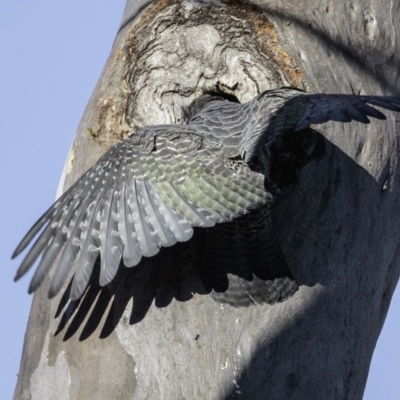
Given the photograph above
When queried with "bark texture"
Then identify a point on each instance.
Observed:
(338, 226)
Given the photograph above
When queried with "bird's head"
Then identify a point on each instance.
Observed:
(198, 104)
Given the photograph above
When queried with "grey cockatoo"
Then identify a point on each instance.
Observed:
(152, 189)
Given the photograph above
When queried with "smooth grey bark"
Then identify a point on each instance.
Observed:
(338, 226)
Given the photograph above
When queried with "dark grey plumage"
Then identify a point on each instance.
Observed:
(152, 189)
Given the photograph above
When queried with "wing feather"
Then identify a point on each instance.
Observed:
(175, 201)
(69, 254)
(161, 230)
(40, 244)
(97, 181)
(368, 110)
(320, 108)
(163, 234)
(131, 254)
(49, 214)
(89, 239)
(56, 216)
(145, 233)
(90, 247)
(178, 225)
(202, 177)
(54, 248)
(110, 237)
(146, 193)
(384, 102)
(150, 190)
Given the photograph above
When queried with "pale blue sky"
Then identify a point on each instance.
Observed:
(52, 54)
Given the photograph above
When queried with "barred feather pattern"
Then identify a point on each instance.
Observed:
(240, 269)
(246, 129)
(152, 189)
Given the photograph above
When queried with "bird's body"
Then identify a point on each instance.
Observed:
(152, 189)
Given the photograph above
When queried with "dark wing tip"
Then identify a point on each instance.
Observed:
(321, 108)
(16, 252)
(22, 246)
(34, 285)
(52, 293)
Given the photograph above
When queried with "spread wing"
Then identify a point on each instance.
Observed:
(255, 125)
(276, 112)
(148, 191)
(320, 108)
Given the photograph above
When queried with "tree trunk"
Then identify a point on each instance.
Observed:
(319, 343)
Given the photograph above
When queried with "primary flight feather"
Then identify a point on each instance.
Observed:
(150, 191)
